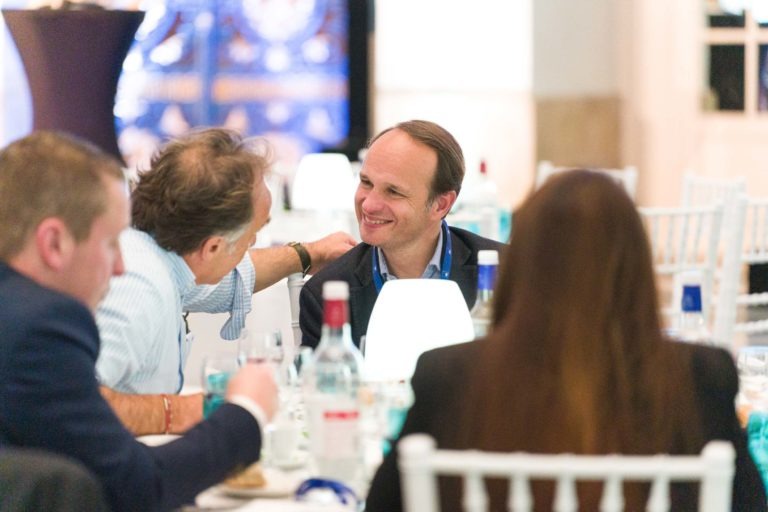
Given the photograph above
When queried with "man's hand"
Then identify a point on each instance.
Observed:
(329, 248)
(257, 382)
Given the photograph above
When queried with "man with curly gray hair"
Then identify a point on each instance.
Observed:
(195, 215)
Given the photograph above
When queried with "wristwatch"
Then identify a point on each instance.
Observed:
(306, 259)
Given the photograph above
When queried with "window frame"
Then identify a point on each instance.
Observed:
(750, 36)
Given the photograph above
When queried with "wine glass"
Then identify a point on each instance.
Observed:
(267, 347)
(260, 347)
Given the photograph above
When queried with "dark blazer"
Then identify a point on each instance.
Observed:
(49, 399)
(441, 374)
(355, 268)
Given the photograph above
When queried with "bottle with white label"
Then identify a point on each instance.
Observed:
(332, 384)
(486, 202)
(482, 311)
(691, 324)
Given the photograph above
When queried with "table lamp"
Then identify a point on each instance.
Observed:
(412, 316)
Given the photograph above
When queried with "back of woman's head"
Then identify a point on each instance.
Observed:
(575, 361)
(579, 261)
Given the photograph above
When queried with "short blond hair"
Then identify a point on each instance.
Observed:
(48, 174)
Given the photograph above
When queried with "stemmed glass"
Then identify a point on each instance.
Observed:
(260, 347)
(283, 432)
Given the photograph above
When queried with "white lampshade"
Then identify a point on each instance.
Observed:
(323, 181)
(412, 316)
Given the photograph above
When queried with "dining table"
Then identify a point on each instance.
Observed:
(278, 495)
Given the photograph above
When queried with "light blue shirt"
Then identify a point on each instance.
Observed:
(432, 271)
(144, 343)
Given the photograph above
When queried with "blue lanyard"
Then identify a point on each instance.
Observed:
(445, 264)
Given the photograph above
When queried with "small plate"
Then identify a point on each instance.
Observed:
(279, 485)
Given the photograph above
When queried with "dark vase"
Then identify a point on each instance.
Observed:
(73, 60)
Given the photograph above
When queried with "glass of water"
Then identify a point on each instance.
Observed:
(216, 372)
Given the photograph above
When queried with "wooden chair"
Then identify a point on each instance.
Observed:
(420, 464)
(627, 176)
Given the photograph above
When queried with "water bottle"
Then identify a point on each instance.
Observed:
(331, 383)
(487, 201)
(692, 326)
(477, 208)
(482, 311)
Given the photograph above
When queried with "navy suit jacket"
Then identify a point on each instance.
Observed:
(355, 268)
(440, 378)
(49, 399)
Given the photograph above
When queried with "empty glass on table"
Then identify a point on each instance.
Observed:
(282, 435)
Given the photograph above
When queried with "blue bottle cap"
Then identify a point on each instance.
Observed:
(691, 302)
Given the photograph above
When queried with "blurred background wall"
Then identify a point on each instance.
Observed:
(588, 83)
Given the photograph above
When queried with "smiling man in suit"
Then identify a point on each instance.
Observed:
(409, 181)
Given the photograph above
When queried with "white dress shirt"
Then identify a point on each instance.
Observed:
(432, 270)
(144, 342)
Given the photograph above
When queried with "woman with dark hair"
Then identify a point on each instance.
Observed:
(576, 361)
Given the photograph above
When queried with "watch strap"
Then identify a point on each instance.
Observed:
(304, 257)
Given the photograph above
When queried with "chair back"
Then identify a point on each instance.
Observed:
(729, 275)
(683, 239)
(295, 282)
(420, 464)
(32, 479)
(626, 177)
(703, 190)
(753, 251)
(729, 192)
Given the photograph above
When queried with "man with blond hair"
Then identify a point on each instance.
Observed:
(63, 206)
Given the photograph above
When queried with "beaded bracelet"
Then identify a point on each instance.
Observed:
(168, 415)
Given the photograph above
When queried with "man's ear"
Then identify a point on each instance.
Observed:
(211, 247)
(55, 243)
(443, 203)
